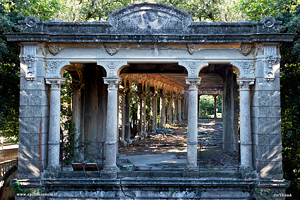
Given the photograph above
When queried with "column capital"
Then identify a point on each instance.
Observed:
(193, 81)
(112, 82)
(55, 82)
(244, 83)
(76, 87)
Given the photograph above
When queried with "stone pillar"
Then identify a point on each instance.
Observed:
(54, 124)
(198, 108)
(179, 109)
(215, 97)
(192, 142)
(245, 125)
(154, 112)
(122, 112)
(175, 109)
(76, 113)
(169, 111)
(162, 111)
(141, 96)
(144, 115)
(127, 116)
(112, 128)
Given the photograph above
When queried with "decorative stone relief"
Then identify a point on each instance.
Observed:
(245, 49)
(40, 46)
(192, 48)
(112, 82)
(246, 67)
(192, 66)
(270, 60)
(193, 81)
(260, 47)
(111, 67)
(54, 49)
(29, 60)
(55, 82)
(112, 48)
(31, 22)
(53, 67)
(245, 83)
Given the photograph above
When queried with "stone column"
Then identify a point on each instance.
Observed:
(144, 115)
(141, 96)
(169, 111)
(154, 112)
(76, 113)
(162, 111)
(112, 128)
(175, 109)
(245, 125)
(192, 141)
(198, 108)
(122, 111)
(179, 109)
(215, 97)
(54, 124)
(127, 116)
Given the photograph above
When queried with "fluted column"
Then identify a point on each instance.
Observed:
(112, 127)
(162, 111)
(245, 125)
(192, 123)
(54, 124)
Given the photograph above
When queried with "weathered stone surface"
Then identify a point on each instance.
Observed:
(270, 170)
(267, 139)
(33, 111)
(270, 111)
(266, 125)
(37, 84)
(33, 125)
(263, 85)
(266, 98)
(34, 97)
(269, 153)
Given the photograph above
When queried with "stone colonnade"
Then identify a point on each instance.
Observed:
(172, 114)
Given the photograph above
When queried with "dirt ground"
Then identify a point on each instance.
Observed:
(173, 138)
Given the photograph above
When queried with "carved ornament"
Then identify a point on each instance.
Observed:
(29, 60)
(245, 49)
(55, 83)
(54, 49)
(270, 61)
(31, 21)
(245, 83)
(53, 67)
(112, 83)
(192, 48)
(246, 65)
(112, 48)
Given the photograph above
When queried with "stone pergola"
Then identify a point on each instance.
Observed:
(159, 48)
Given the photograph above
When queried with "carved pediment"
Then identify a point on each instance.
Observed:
(150, 18)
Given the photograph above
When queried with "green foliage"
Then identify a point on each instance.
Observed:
(207, 105)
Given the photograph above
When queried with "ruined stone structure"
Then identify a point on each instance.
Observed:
(159, 48)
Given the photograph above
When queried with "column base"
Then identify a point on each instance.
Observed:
(248, 172)
(55, 168)
(110, 169)
(129, 141)
(123, 143)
